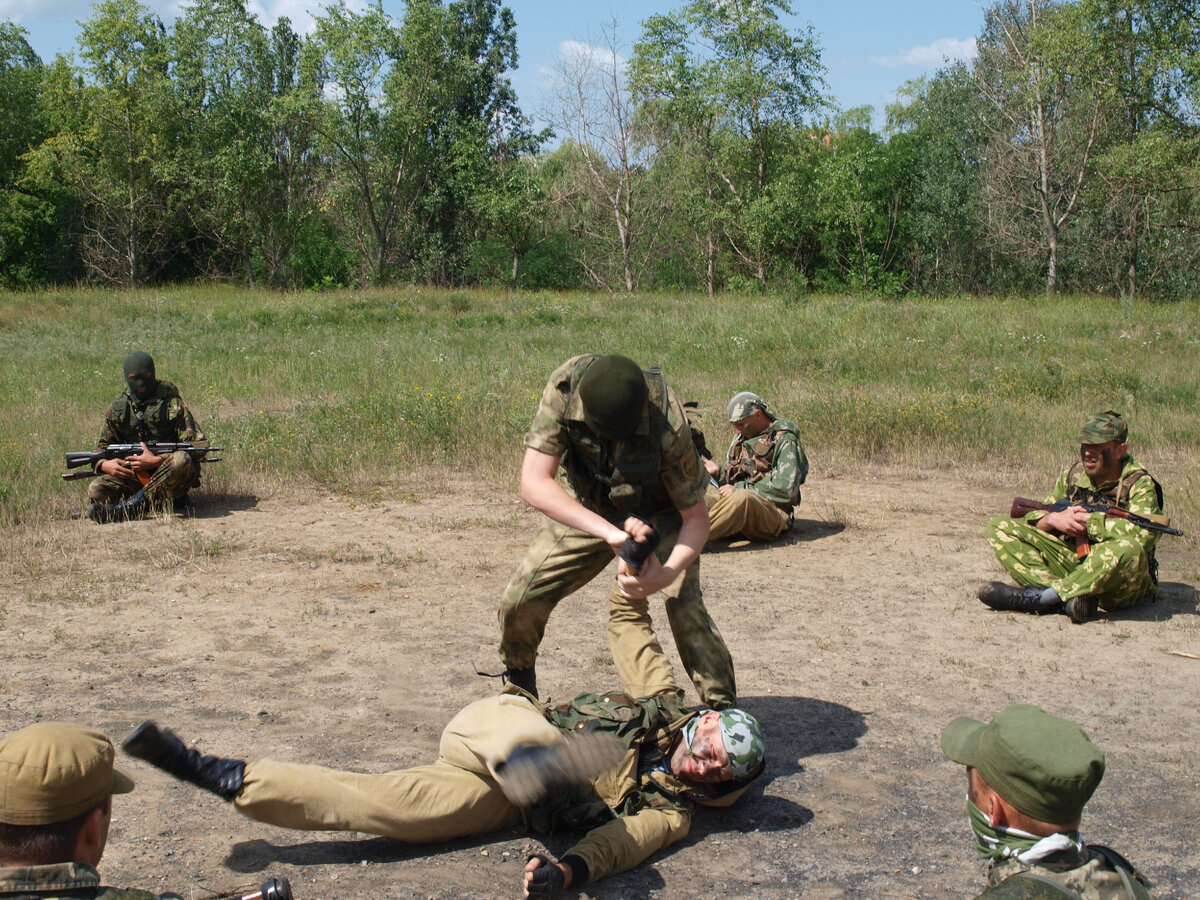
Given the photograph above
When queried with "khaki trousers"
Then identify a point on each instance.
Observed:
(745, 512)
(561, 560)
(458, 795)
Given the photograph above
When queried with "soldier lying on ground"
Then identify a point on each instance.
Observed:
(495, 756)
(149, 411)
(759, 483)
(56, 787)
(1029, 775)
(1039, 550)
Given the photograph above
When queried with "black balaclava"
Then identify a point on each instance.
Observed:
(614, 392)
(139, 375)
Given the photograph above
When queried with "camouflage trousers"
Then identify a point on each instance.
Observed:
(1115, 572)
(178, 474)
(561, 560)
(747, 513)
(456, 796)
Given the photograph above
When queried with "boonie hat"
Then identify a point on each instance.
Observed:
(1044, 766)
(53, 771)
(1100, 428)
(744, 404)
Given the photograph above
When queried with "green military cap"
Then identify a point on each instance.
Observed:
(743, 740)
(53, 771)
(1100, 428)
(744, 404)
(614, 393)
(1043, 766)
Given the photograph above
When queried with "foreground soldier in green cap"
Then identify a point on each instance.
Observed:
(759, 482)
(609, 459)
(149, 410)
(1039, 550)
(1029, 776)
(626, 771)
(56, 787)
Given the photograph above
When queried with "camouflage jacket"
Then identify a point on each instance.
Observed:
(655, 469)
(1143, 499)
(640, 807)
(163, 417)
(64, 881)
(772, 463)
(1096, 873)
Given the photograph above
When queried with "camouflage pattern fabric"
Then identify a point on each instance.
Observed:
(163, 417)
(1116, 571)
(64, 881)
(561, 560)
(653, 474)
(772, 464)
(1089, 875)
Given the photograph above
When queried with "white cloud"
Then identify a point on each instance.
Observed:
(299, 12)
(581, 51)
(929, 55)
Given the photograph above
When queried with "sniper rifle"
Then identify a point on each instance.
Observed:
(1152, 522)
(89, 458)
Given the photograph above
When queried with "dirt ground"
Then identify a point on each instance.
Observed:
(334, 631)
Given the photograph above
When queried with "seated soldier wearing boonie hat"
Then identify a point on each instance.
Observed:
(1029, 776)
(1042, 550)
(56, 785)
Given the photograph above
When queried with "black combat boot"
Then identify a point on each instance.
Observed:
(162, 749)
(1026, 599)
(132, 507)
(1080, 609)
(525, 679)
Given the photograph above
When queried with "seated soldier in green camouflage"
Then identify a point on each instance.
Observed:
(150, 410)
(56, 787)
(1029, 775)
(759, 483)
(1039, 550)
(627, 772)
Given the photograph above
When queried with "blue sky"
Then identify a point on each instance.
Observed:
(868, 47)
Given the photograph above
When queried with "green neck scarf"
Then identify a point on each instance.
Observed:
(1001, 843)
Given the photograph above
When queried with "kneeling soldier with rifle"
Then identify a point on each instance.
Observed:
(1091, 544)
(149, 414)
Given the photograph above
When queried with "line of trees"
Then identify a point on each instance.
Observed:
(1065, 156)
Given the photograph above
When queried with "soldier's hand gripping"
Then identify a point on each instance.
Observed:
(545, 879)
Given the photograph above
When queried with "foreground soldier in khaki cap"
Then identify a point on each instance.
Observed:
(56, 787)
(1029, 775)
(1039, 550)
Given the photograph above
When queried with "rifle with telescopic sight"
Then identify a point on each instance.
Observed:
(1161, 524)
(89, 458)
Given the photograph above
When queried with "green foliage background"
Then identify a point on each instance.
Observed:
(362, 391)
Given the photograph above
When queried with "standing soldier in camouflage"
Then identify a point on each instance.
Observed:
(1039, 550)
(1029, 776)
(759, 483)
(150, 410)
(56, 785)
(609, 454)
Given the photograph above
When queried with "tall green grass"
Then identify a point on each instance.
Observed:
(354, 391)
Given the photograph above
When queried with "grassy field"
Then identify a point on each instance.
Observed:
(345, 391)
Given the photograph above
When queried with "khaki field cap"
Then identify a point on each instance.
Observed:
(55, 771)
(1043, 766)
(1100, 428)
